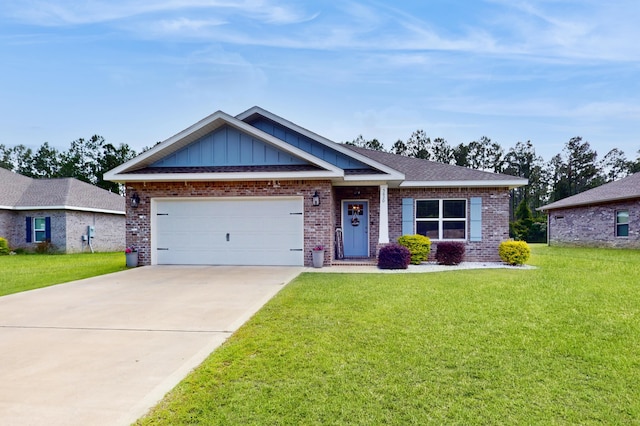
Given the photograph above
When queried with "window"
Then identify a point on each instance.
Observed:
(39, 229)
(442, 219)
(622, 223)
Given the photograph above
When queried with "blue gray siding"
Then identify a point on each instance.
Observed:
(228, 147)
(308, 145)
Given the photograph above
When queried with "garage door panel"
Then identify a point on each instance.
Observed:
(230, 232)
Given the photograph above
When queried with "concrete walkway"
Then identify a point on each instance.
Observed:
(104, 350)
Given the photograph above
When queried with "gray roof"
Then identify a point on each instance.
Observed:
(419, 170)
(623, 189)
(19, 192)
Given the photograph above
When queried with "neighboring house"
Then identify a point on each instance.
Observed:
(606, 216)
(256, 189)
(59, 211)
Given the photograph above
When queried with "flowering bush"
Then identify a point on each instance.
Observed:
(130, 249)
(319, 247)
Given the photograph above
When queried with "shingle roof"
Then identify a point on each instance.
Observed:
(419, 170)
(623, 189)
(20, 192)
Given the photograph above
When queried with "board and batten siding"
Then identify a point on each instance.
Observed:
(308, 145)
(227, 146)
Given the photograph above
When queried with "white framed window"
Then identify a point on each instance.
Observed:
(442, 219)
(622, 223)
(39, 229)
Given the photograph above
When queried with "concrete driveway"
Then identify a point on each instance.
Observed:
(104, 350)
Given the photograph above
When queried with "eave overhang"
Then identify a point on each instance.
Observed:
(511, 184)
(62, 207)
(196, 177)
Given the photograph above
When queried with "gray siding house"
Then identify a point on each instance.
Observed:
(59, 211)
(257, 189)
(606, 216)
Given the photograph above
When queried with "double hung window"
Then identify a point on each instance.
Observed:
(39, 229)
(622, 223)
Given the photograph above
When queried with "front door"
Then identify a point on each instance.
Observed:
(355, 226)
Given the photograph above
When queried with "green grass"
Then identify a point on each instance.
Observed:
(28, 272)
(559, 344)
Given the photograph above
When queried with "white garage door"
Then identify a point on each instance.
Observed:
(238, 231)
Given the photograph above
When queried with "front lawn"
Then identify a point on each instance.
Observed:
(555, 345)
(29, 271)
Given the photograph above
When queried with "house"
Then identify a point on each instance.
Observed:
(256, 189)
(59, 211)
(606, 216)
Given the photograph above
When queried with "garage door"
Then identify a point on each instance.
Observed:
(238, 231)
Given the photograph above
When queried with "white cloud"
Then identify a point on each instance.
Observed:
(180, 25)
(69, 12)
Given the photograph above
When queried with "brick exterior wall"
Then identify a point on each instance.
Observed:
(67, 228)
(109, 231)
(318, 221)
(495, 217)
(594, 226)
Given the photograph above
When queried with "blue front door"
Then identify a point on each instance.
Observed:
(355, 228)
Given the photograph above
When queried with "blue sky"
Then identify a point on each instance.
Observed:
(137, 72)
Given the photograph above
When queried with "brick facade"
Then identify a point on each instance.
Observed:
(321, 221)
(67, 229)
(594, 226)
(319, 224)
(495, 217)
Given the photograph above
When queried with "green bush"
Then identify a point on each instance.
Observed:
(419, 246)
(4, 246)
(514, 252)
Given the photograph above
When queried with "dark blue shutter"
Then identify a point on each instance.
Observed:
(47, 229)
(28, 228)
(475, 221)
(407, 216)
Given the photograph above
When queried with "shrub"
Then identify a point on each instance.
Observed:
(45, 247)
(419, 246)
(4, 246)
(514, 252)
(450, 252)
(394, 256)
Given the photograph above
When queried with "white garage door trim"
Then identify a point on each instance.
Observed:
(249, 238)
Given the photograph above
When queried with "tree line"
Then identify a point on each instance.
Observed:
(86, 160)
(575, 169)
